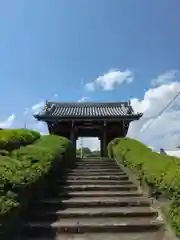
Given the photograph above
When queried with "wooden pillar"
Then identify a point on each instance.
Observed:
(52, 127)
(49, 127)
(125, 127)
(73, 139)
(102, 146)
(104, 141)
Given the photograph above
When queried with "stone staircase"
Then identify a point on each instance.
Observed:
(94, 200)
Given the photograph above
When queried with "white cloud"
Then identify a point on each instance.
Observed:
(163, 131)
(8, 122)
(90, 86)
(110, 80)
(174, 153)
(92, 143)
(38, 106)
(35, 108)
(166, 77)
(83, 99)
(41, 127)
(31, 122)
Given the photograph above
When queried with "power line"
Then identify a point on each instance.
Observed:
(161, 112)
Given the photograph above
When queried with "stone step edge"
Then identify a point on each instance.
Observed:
(120, 227)
(88, 213)
(103, 186)
(97, 174)
(96, 182)
(101, 194)
(115, 177)
(96, 204)
(96, 164)
(89, 170)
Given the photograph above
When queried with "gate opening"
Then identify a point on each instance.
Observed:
(88, 147)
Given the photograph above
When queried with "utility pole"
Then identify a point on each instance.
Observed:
(25, 126)
(81, 147)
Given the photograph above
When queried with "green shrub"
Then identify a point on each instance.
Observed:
(8, 202)
(26, 165)
(161, 172)
(3, 152)
(14, 138)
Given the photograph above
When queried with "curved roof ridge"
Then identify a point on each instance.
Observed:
(90, 103)
(77, 110)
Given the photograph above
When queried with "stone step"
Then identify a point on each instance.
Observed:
(92, 187)
(96, 170)
(97, 166)
(94, 202)
(107, 225)
(94, 159)
(101, 194)
(98, 177)
(93, 225)
(95, 182)
(101, 168)
(108, 212)
(85, 194)
(95, 162)
(155, 235)
(97, 173)
(97, 199)
(93, 212)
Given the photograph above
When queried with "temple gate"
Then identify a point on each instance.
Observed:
(105, 120)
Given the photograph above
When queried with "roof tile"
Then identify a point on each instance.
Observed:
(90, 109)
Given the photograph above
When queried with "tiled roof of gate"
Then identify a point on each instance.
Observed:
(87, 110)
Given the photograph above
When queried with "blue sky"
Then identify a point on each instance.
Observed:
(52, 49)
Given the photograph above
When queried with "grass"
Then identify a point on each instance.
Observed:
(160, 172)
(26, 166)
(11, 139)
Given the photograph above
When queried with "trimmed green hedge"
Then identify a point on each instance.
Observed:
(25, 166)
(160, 172)
(14, 138)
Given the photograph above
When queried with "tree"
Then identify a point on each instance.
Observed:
(85, 151)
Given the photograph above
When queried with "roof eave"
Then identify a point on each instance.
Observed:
(50, 118)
